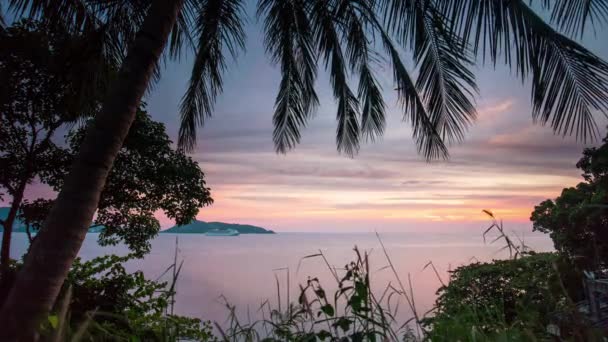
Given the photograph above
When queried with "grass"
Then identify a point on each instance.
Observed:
(348, 308)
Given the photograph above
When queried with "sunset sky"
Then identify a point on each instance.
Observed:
(506, 164)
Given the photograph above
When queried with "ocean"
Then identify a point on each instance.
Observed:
(244, 270)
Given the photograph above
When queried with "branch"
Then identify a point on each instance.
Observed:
(8, 186)
(29, 234)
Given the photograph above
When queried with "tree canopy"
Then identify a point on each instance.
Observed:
(577, 220)
(40, 92)
(34, 102)
(148, 176)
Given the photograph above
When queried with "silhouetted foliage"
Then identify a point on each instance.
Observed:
(37, 98)
(525, 293)
(577, 220)
(105, 302)
(43, 69)
(148, 176)
(33, 213)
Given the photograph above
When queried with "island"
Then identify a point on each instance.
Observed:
(194, 227)
(20, 227)
(202, 227)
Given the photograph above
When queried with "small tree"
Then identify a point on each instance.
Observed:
(148, 176)
(577, 220)
(33, 105)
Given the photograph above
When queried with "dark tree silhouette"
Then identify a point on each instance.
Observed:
(577, 220)
(147, 176)
(36, 99)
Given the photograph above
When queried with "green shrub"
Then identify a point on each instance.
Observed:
(510, 298)
(102, 301)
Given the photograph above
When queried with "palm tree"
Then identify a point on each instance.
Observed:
(349, 38)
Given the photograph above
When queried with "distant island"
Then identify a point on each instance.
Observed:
(194, 227)
(201, 227)
(19, 227)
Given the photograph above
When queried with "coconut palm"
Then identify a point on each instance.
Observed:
(349, 39)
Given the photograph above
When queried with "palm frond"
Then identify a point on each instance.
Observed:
(373, 118)
(445, 81)
(76, 15)
(289, 42)
(219, 26)
(361, 56)
(181, 35)
(428, 140)
(574, 16)
(569, 82)
(323, 14)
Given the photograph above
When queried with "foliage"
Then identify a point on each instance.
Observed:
(578, 218)
(46, 85)
(105, 302)
(353, 312)
(351, 39)
(148, 176)
(33, 213)
(104, 284)
(525, 294)
(505, 300)
(34, 97)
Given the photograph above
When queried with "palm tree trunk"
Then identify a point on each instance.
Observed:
(55, 247)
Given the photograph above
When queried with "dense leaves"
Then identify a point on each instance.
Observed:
(35, 100)
(148, 176)
(577, 220)
(41, 92)
(42, 69)
(105, 302)
(569, 82)
(527, 293)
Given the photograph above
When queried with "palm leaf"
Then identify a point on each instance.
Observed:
(323, 14)
(354, 30)
(425, 133)
(574, 16)
(181, 35)
(428, 140)
(569, 82)
(289, 42)
(445, 81)
(218, 27)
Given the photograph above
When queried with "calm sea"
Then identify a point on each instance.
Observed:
(242, 269)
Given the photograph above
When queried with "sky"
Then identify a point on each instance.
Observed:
(506, 163)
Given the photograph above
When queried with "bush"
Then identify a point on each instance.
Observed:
(510, 298)
(102, 301)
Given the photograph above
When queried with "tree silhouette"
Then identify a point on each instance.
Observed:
(37, 97)
(577, 220)
(147, 176)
